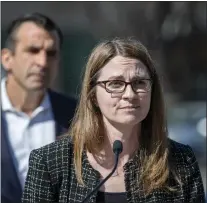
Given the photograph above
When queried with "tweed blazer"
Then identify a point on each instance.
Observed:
(51, 177)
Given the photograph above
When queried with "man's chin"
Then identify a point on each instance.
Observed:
(37, 88)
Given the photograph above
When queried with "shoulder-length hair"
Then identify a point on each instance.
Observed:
(87, 126)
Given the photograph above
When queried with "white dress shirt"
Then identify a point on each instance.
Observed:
(26, 133)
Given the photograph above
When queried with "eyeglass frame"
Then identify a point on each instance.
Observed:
(126, 84)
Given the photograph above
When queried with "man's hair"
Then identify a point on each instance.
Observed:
(37, 18)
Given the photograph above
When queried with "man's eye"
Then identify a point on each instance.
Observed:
(52, 53)
(34, 50)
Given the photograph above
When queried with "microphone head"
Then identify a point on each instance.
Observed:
(117, 147)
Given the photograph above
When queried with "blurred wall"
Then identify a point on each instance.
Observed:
(175, 33)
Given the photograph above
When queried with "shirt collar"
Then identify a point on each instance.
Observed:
(5, 102)
(7, 106)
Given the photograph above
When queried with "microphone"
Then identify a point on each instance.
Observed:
(117, 149)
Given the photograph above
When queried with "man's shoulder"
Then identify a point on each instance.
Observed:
(63, 107)
(60, 97)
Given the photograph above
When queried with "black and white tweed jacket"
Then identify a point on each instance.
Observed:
(51, 177)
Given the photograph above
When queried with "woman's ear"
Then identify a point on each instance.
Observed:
(6, 59)
(94, 100)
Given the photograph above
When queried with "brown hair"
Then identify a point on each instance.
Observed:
(87, 127)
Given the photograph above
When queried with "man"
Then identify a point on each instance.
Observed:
(32, 115)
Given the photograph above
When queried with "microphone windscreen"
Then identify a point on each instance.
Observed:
(117, 147)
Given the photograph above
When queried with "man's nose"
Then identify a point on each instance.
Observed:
(42, 59)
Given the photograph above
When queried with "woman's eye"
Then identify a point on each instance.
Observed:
(116, 84)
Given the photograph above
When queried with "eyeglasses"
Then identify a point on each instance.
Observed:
(119, 86)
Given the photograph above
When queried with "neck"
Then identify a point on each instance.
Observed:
(21, 99)
(128, 135)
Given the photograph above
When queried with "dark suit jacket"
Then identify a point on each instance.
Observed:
(63, 110)
(51, 177)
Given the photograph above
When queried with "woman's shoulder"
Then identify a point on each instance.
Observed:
(47, 166)
(54, 150)
(178, 147)
(181, 153)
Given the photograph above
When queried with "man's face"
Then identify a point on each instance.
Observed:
(35, 60)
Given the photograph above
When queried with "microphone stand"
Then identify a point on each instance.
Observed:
(117, 153)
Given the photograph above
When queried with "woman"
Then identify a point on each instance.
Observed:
(121, 99)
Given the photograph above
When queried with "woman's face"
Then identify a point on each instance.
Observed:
(128, 107)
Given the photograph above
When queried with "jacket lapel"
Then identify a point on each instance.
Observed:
(60, 116)
(9, 178)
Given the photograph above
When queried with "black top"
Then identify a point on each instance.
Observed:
(111, 197)
(52, 178)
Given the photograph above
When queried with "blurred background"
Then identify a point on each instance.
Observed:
(174, 32)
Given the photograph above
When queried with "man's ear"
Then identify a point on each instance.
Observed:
(6, 58)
